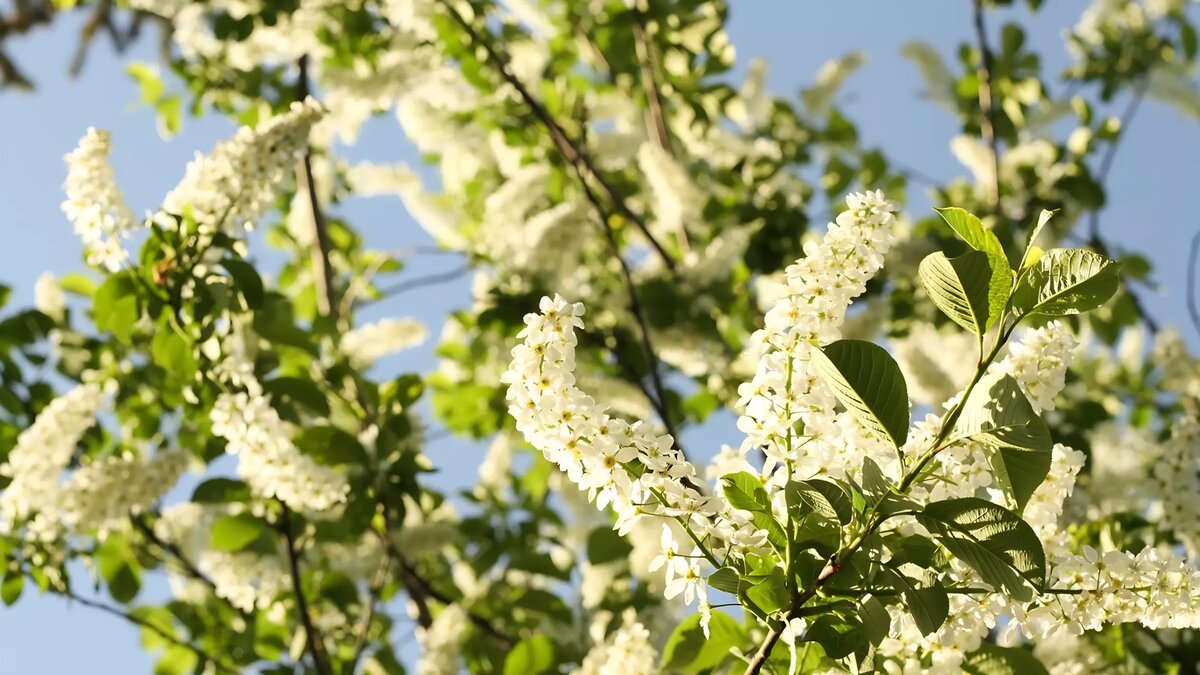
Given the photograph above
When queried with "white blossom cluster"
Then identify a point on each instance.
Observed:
(369, 343)
(268, 460)
(101, 495)
(936, 363)
(1039, 363)
(628, 467)
(43, 451)
(674, 199)
(233, 186)
(441, 642)
(784, 391)
(95, 204)
(628, 651)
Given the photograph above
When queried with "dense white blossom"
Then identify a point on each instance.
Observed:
(233, 186)
(268, 460)
(627, 651)
(48, 296)
(102, 494)
(367, 344)
(441, 642)
(44, 450)
(1039, 360)
(95, 205)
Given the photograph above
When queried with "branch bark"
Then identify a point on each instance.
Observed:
(316, 646)
(987, 109)
(320, 246)
(203, 655)
(570, 148)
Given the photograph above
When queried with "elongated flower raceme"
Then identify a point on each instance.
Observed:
(268, 460)
(95, 205)
(626, 466)
(44, 450)
(234, 185)
(820, 288)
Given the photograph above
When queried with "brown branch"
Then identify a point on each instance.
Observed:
(320, 247)
(316, 646)
(427, 280)
(1110, 153)
(420, 590)
(656, 122)
(138, 621)
(101, 17)
(659, 399)
(987, 109)
(569, 147)
(174, 551)
(373, 591)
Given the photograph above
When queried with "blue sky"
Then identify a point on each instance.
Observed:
(1149, 209)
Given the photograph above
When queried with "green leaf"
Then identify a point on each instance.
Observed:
(247, 280)
(770, 593)
(331, 446)
(866, 379)
(959, 287)
(998, 416)
(118, 567)
(176, 660)
(745, 491)
(688, 651)
(115, 307)
(991, 659)
(818, 494)
(1066, 281)
(221, 491)
(1043, 218)
(913, 549)
(876, 620)
(839, 636)
(971, 230)
(994, 541)
(929, 605)
(77, 284)
(173, 354)
(236, 532)
(298, 390)
(11, 587)
(726, 579)
(532, 656)
(605, 545)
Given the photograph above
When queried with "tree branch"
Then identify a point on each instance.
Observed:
(171, 549)
(420, 590)
(570, 148)
(320, 246)
(420, 282)
(987, 109)
(316, 646)
(1193, 261)
(373, 591)
(203, 655)
(1110, 153)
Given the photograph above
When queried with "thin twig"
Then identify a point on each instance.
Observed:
(421, 282)
(420, 590)
(316, 646)
(570, 148)
(373, 591)
(987, 109)
(659, 400)
(138, 621)
(174, 551)
(320, 248)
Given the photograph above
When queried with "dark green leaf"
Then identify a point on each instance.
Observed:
(605, 545)
(994, 541)
(1066, 281)
(991, 659)
(875, 619)
(11, 587)
(959, 287)
(998, 416)
(688, 651)
(221, 491)
(249, 284)
(866, 379)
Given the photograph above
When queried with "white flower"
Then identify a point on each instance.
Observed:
(233, 186)
(689, 582)
(268, 460)
(626, 652)
(369, 343)
(95, 204)
(48, 296)
(441, 642)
